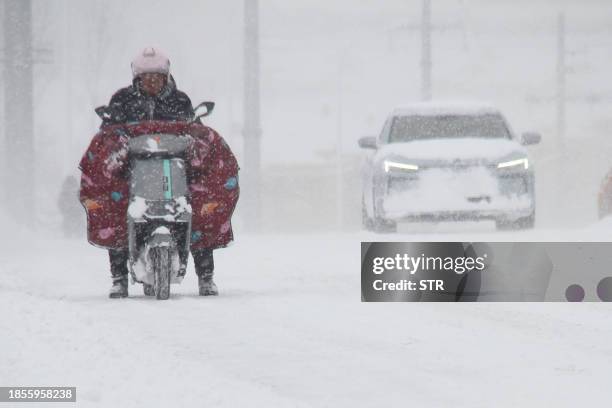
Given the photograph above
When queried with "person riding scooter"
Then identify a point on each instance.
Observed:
(153, 96)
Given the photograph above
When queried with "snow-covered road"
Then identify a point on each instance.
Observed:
(289, 330)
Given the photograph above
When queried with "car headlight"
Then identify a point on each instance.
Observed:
(391, 165)
(513, 163)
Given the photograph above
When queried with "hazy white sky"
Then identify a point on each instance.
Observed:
(327, 67)
(305, 48)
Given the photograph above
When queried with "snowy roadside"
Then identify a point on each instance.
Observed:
(289, 330)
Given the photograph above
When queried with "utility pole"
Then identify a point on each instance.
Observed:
(426, 62)
(252, 124)
(68, 79)
(18, 106)
(339, 130)
(426, 29)
(561, 83)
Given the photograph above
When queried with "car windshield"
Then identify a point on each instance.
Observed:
(409, 128)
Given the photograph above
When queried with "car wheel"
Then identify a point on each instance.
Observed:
(520, 224)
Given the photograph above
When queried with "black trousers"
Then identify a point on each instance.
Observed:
(203, 259)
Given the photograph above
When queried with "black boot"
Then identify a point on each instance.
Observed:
(207, 286)
(119, 273)
(119, 288)
(205, 266)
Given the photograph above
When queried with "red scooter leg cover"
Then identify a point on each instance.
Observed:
(212, 173)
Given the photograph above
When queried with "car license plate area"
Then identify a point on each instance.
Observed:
(469, 183)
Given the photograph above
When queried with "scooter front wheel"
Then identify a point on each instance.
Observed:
(160, 256)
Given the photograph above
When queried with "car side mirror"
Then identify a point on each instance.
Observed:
(202, 110)
(368, 142)
(530, 138)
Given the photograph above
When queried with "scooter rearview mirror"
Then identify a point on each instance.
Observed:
(202, 110)
(103, 112)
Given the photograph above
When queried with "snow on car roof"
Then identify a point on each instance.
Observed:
(445, 108)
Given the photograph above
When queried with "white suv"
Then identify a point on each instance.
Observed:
(448, 162)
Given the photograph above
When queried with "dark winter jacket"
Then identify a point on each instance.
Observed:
(130, 105)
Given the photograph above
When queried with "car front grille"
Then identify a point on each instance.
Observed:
(507, 184)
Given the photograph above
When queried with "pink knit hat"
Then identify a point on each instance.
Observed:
(150, 60)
